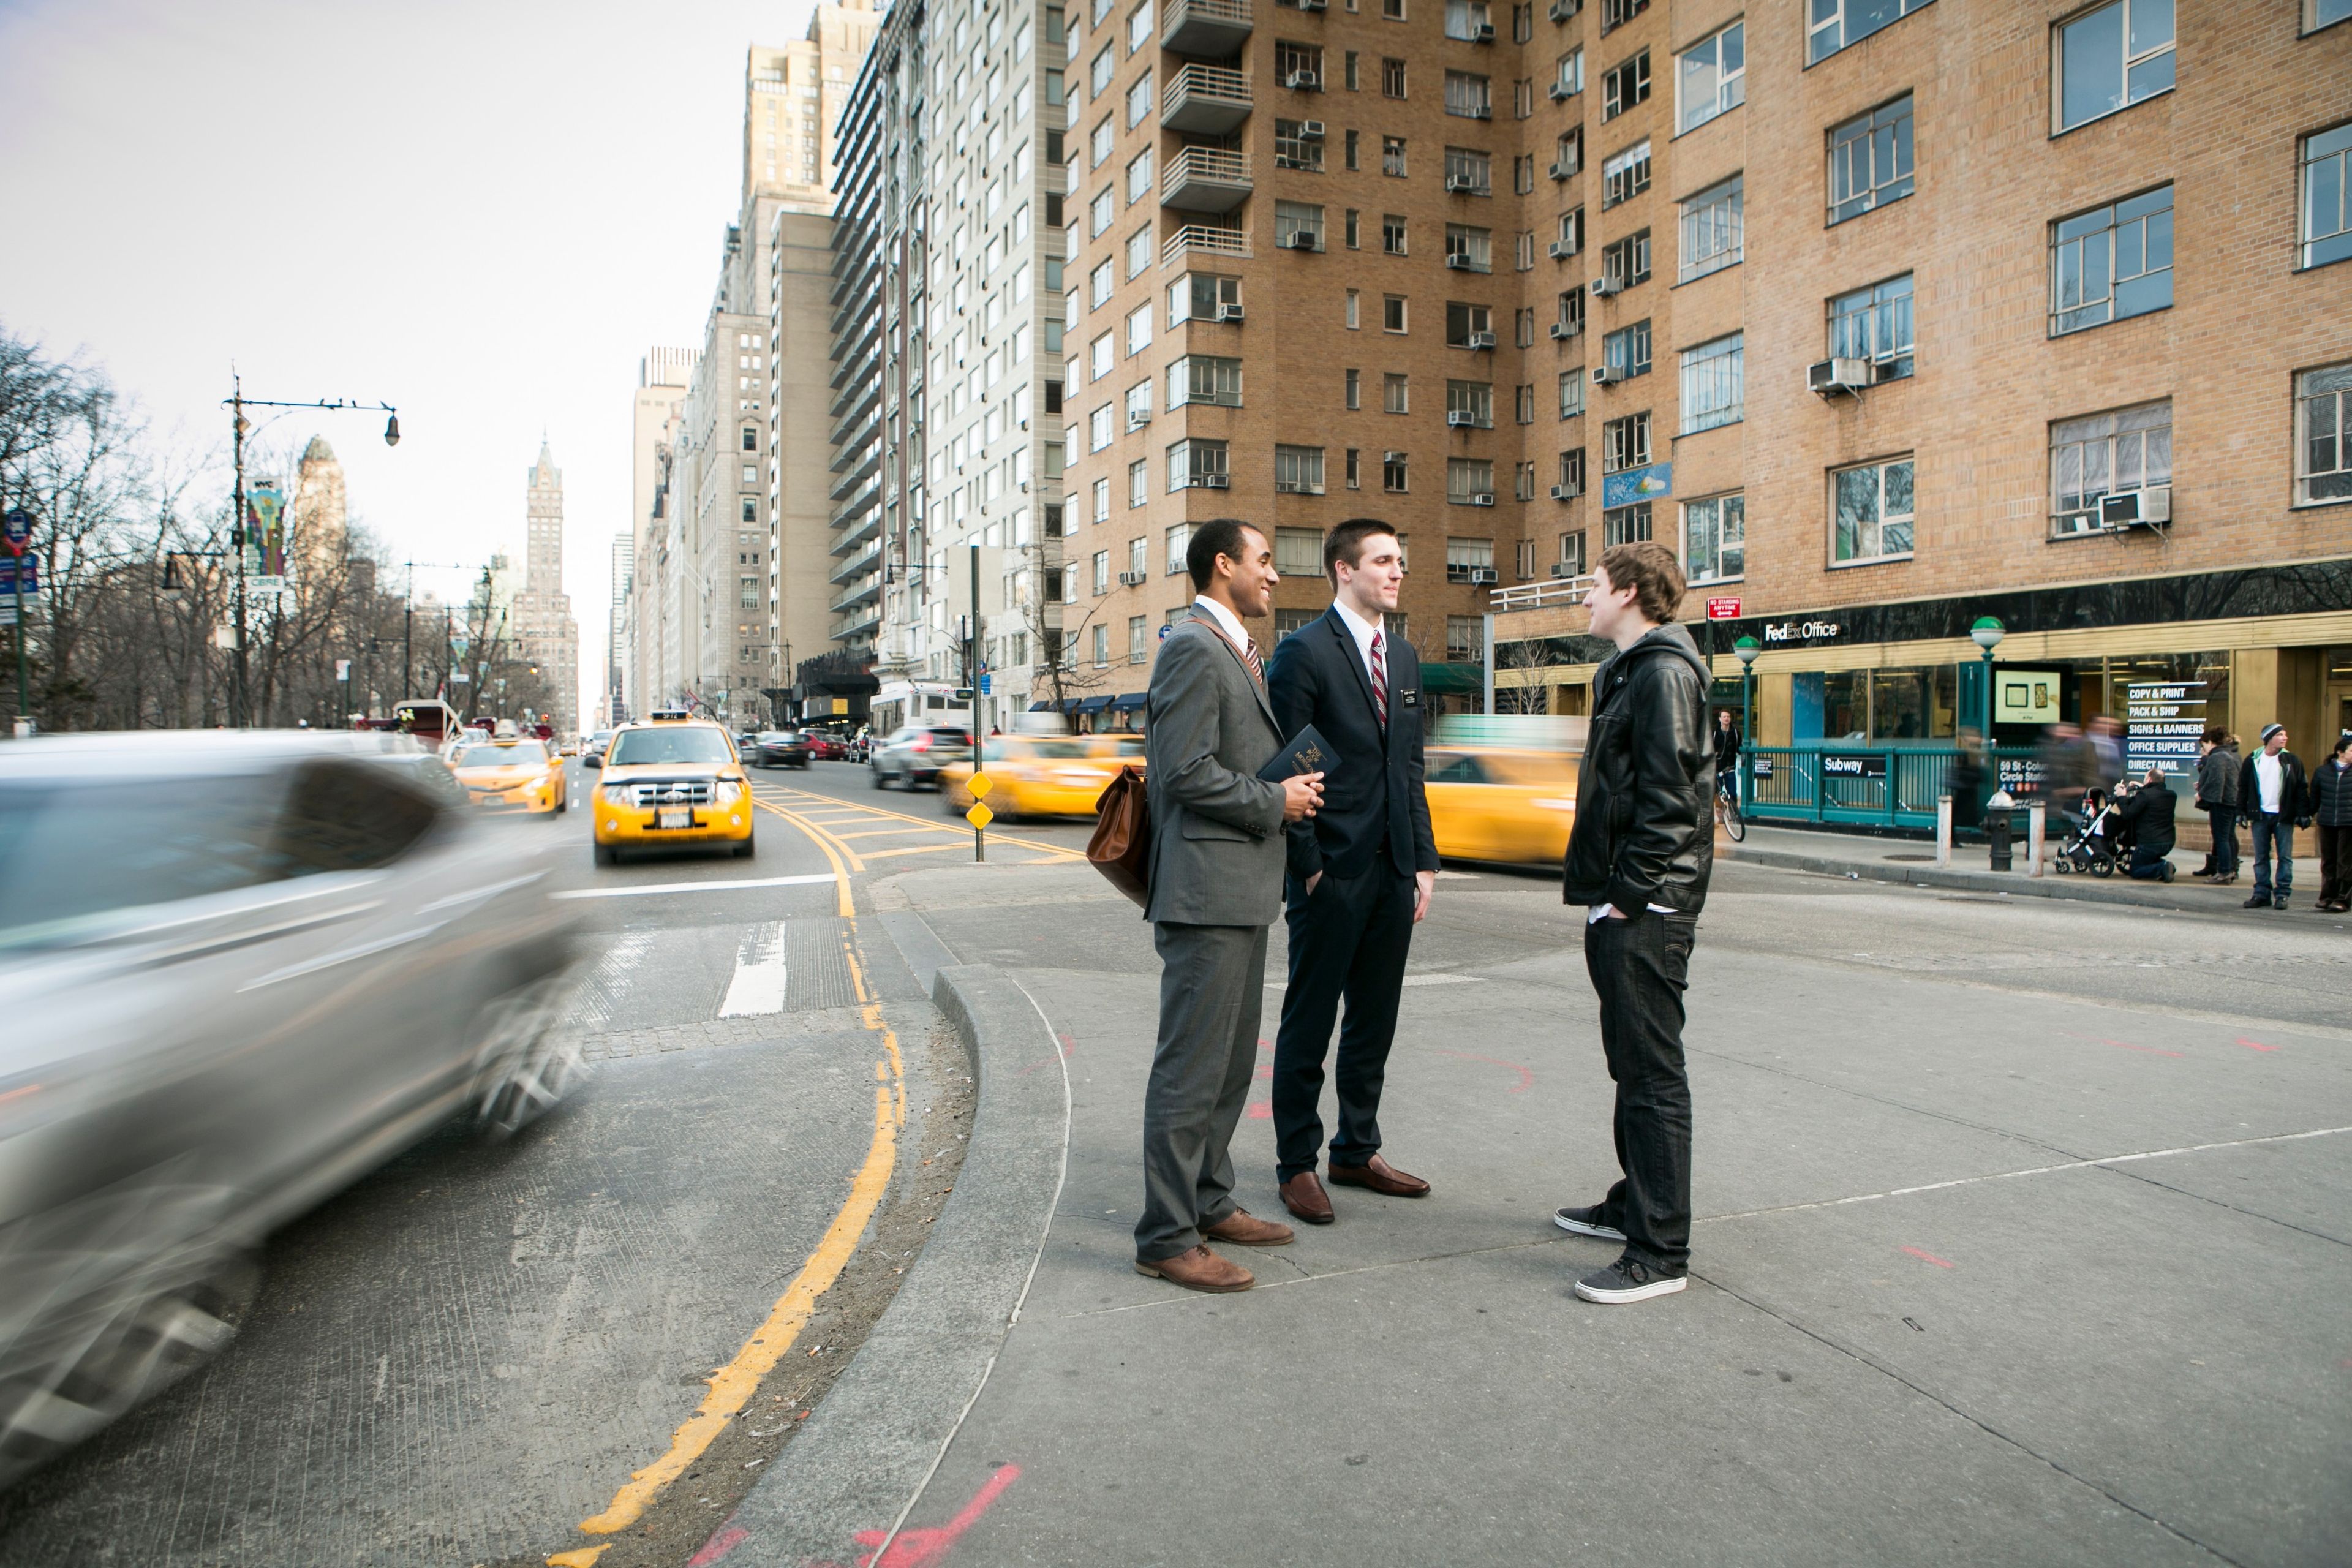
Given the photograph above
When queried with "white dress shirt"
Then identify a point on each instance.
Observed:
(1225, 618)
(1363, 631)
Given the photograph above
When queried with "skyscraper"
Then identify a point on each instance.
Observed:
(617, 649)
(545, 633)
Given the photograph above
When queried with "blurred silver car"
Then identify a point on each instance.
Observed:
(243, 970)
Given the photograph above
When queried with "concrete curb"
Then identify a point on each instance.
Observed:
(872, 1445)
(2079, 889)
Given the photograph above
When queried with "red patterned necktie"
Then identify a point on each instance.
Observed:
(1380, 681)
(1250, 657)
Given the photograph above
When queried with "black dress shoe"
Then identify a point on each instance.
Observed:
(2259, 902)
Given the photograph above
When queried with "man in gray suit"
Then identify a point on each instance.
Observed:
(1217, 854)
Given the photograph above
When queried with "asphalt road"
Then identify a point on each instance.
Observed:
(464, 1354)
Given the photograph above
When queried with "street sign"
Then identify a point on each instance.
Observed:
(16, 528)
(980, 815)
(981, 785)
(28, 566)
(987, 684)
(1723, 609)
(343, 670)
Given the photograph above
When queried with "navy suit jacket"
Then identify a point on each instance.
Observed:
(1373, 791)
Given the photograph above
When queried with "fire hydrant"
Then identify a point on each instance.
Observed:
(1998, 826)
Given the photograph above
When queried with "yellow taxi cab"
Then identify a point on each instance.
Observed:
(672, 780)
(1500, 805)
(508, 771)
(1042, 775)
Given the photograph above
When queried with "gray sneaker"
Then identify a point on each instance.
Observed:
(1586, 1222)
(1628, 1280)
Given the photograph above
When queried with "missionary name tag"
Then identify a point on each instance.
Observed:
(1411, 698)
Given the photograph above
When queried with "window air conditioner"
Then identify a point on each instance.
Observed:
(1565, 492)
(1484, 33)
(1483, 498)
(1482, 339)
(1604, 287)
(1312, 4)
(1300, 240)
(1303, 81)
(1561, 171)
(1137, 418)
(1310, 130)
(1132, 579)
(1607, 375)
(1483, 112)
(1213, 481)
(1229, 312)
(1461, 185)
(1834, 375)
(1564, 569)
(1483, 575)
(1563, 331)
(1559, 250)
(1558, 93)
(2137, 509)
(1561, 10)
(1461, 419)
(1457, 264)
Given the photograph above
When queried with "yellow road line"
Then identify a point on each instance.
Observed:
(1057, 850)
(834, 848)
(732, 1385)
(916, 849)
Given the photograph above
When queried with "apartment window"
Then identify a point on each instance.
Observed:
(2111, 263)
(751, 509)
(1347, 70)
(1352, 139)
(1523, 324)
(1396, 394)
(1098, 429)
(2322, 434)
(1393, 473)
(1138, 328)
(750, 473)
(1571, 393)
(1874, 324)
(1523, 97)
(1292, 219)
(1098, 72)
(1870, 516)
(1870, 160)
(1523, 22)
(1472, 401)
(1298, 471)
(1712, 235)
(1570, 320)
(2327, 196)
(1177, 536)
(1626, 525)
(1714, 384)
(1138, 252)
(1138, 404)
(1393, 233)
(1292, 149)
(1355, 469)
(1102, 572)
(1100, 283)
(1352, 216)
(1523, 174)
(1523, 248)
(1138, 27)
(1393, 156)
(1837, 23)
(1197, 297)
(1392, 313)
(1627, 262)
(1624, 86)
(1626, 352)
(1099, 145)
(748, 595)
(1299, 551)
(1469, 250)
(1138, 490)
(1287, 623)
(1615, 14)
(1626, 175)
(1466, 639)
(1391, 78)
(1523, 403)
(1572, 233)
(1715, 539)
(1711, 77)
(1100, 214)
(1466, 560)
(1571, 554)
(1391, 10)
(1625, 443)
(1198, 464)
(1102, 647)
(1348, 310)
(1464, 319)
(1204, 378)
(1568, 75)
(1355, 389)
(1468, 21)
(751, 438)
(1571, 472)
(1139, 176)
(1138, 100)
(2318, 14)
(1470, 95)
(1139, 640)
(1098, 357)
(1298, 59)
(1469, 172)
(2112, 57)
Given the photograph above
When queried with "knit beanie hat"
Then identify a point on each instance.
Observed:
(2270, 730)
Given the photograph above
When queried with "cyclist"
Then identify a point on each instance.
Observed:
(1726, 773)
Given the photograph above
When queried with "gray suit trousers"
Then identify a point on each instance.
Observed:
(1211, 989)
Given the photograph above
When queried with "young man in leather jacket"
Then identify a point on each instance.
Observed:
(1638, 858)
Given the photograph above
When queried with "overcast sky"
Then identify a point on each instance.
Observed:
(481, 213)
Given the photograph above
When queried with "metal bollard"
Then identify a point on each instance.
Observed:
(1998, 826)
(1943, 830)
(2035, 817)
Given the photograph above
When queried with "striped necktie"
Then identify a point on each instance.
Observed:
(1250, 657)
(1380, 681)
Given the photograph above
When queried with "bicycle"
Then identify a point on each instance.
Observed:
(1727, 813)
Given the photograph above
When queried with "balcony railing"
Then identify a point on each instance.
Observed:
(1205, 179)
(866, 590)
(864, 560)
(1206, 101)
(1215, 28)
(1205, 239)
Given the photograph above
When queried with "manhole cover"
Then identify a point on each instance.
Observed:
(1922, 859)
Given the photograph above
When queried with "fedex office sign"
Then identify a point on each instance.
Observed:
(1800, 631)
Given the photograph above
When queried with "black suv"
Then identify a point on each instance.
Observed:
(779, 748)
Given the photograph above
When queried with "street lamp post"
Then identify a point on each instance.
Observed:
(237, 402)
(1987, 633)
(1747, 648)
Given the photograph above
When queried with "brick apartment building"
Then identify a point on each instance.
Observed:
(1885, 315)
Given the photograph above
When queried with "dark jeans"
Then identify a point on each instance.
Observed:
(2335, 865)
(2147, 863)
(1348, 940)
(2223, 820)
(2273, 840)
(1640, 966)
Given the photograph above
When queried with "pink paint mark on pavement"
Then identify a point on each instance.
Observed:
(2254, 1045)
(1526, 1078)
(728, 1538)
(921, 1548)
(1258, 1111)
(2122, 1044)
(1068, 1046)
(1930, 1257)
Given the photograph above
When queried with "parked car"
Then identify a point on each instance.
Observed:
(244, 970)
(915, 753)
(827, 745)
(779, 748)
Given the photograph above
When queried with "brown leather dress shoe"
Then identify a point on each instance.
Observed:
(1199, 1270)
(1244, 1228)
(1382, 1177)
(1304, 1196)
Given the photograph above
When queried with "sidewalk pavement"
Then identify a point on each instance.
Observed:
(1913, 861)
(1980, 1275)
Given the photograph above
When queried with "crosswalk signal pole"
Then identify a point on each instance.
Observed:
(971, 674)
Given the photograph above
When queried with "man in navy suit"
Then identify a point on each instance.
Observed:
(1359, 872)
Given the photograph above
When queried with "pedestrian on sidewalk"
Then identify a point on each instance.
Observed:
(1966, 781)
(1362, 869)
(1215, 883)
(2147, 814)
(2276, 796)
(1638, 858)
(2217, 797)
(2331, 809)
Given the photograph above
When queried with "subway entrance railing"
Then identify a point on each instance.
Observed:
(1882, 783)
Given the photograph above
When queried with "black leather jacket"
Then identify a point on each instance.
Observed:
(1645, 830)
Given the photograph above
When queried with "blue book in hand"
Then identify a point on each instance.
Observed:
(1308, 752)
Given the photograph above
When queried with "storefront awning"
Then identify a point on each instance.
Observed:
(1130, 700)
(1041, 708)
(1443, 679)
(1093, 704)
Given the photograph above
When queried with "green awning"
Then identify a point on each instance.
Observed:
(1446, 679)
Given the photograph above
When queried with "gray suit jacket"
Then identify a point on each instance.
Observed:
(1216, 827)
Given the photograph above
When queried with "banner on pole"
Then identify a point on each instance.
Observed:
(265, 531)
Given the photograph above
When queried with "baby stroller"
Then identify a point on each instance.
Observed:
(2097, 844)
